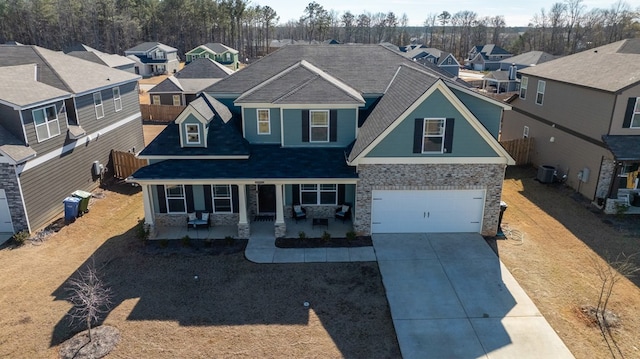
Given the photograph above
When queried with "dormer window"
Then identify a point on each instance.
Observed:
(46, 122)
(193, 133)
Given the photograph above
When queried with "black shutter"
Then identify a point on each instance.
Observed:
(235, 199)
(628, 114)
(305, 125)
(188, 193)
(208, 200)
(296, 193)
(448, 135)
(162, 200)
(333, 125)
(341, 188)
(418, 133)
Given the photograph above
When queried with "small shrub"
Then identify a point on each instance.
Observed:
(164, 243)
(326, 236)
(186, 241)
(229, 240)
(351, 235)
(207, 243)
(142, 231)
(302, 235)
(20, 238)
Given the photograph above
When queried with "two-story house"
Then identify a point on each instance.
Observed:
(405, 149)
(486, 57)
(506, 78)
(444, 60)
(217, 52)
(584, 112)
(154, 58)
(88, 53)
(60, 117)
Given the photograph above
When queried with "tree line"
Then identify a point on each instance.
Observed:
(115, 25)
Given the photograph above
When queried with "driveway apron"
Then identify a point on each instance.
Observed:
(451, 297)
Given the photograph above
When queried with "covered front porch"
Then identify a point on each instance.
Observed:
(624, 171)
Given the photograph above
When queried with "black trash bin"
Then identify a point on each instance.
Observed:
(503, 207)
(71, 207)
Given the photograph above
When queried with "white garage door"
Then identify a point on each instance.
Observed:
(427, 211)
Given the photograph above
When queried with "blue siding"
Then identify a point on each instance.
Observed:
(250, 119)
(466, 141)
(292, 123)
(489, 114)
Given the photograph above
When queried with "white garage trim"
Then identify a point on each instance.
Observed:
(427, 211)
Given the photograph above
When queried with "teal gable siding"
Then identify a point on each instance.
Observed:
(191, 119)
(489, 114)
(466, 141)
(292, 129)
(250, 120)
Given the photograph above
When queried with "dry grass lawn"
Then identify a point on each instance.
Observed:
(235, 309)
(554, 261)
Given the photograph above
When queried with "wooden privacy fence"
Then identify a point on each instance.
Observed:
(125, 163)
(160, 113)
(520, 149)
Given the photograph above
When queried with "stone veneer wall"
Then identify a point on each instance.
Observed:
(178, 219)
(430, 177)
(607, 169)
(313, 211)
(252, 199)
(9, 182)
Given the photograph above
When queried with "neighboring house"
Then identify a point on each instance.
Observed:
(217, 52)
(528, 59)
(183, 87)
(444, 60)
(586, 122)
(60, 117)
(154, 58)
(409, 150)
(506, 79)
(85, 52)
(486, 57)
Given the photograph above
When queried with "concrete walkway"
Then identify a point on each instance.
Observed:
(449, 295)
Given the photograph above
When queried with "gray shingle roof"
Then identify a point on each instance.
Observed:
(407, 86)
(219, 48)
(624, 148)
(13, 148)
(530, 58)
(203, 68)
(611, 67)
(146, 46)
(366, 68)
(88, 53)
(20, 88)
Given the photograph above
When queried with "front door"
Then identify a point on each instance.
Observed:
(267, 199)
(6, 225)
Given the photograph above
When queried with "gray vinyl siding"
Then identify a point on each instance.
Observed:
(11, 121)
(618, 114)
(52, 143)
(86, 109)
(586, 111)
(489, 115)
(46, 185)
(250, 119)
(467, 142)
(292, 128)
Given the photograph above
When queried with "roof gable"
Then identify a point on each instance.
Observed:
(203, 68)
(530, 58)
(218, 48)
(21, 89)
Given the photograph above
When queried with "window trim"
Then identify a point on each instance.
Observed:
(98, 105)
(173, 99)
(635, 115)
(425, 135)
(524, 82)
(117, 100)
(214, 197)
(312, 126)
(46, 122)
(169, 197)
(187, 133)
(538, 92)
(154, 98)
(318, 190)
(268, 121)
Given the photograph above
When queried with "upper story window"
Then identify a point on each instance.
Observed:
(264, 123)
(117, 101)
(97, 102)
(433, 135)
(319, 194)
(540, 93)
(176, 201)
(155, 99)
(449, 61)
(227, 56)
(193, 133)
(222, 199)
(319, 126)
(635, 116)
(46, 122)
(176, 100)
(523, 87)
(159, 55)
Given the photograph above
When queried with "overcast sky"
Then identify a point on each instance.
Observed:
(515, 12)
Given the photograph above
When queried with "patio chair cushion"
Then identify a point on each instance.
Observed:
(298, 210)
(205, 216)
(345, 208)
(192, 216)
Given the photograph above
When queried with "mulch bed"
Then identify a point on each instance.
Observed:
(359, 241)
(195, 247)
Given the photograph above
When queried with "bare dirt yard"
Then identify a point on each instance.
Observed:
(553, 260)
(234, 308)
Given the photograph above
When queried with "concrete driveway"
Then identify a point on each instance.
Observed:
(451, 297)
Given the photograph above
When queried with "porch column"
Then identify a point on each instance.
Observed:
(279, 204)
(148, 206)
(242, 202)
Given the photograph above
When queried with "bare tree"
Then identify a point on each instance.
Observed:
(444, 18)
(430, 24)
(89, 295)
